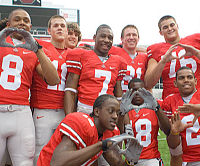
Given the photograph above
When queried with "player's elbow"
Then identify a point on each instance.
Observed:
(53, 82)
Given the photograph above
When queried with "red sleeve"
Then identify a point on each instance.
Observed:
(166, 106)
(153, 52)
(80, 128)
(122, 69)
(73, 61)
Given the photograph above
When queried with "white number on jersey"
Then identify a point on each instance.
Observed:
(103, 73)
(127, 78)
(183, 62)
(194, 129)
(9, 71)
(61, 86)
(143, 132)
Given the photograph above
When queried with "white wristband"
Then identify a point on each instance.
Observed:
(119, 98)
(177, 151)
(71, 89)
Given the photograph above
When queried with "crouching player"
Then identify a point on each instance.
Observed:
(80, 139)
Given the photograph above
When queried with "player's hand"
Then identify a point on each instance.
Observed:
(149, 101)
(30, 43)
(169, 54)
(177, 125)
(4, 34)
(129, 129)
(190, 108)
(126, 102)
(189, 50)
(132, 151)
(113, 142)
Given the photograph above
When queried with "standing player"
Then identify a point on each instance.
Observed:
(74, 35)
(46, 100)
(164, 61)
(93, 72)
(136, 61)
(17, 66)
(190, 137)
(80, 138)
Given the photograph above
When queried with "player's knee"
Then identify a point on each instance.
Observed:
(29, 145)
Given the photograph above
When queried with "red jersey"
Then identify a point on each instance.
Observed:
(17, 66)
(145, 128)
(156, 51)
(136, 67)
(191, 136)
(80, 129)
(96, 77)
(41, 93)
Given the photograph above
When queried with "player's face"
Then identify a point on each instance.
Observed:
(108, 114)
(58, 29)
(169, 29)
(130, 38)
(137, 100)
(185, 82)
(72, 39)
(20, 19)
(103, 41)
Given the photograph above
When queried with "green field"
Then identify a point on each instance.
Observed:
(163, 148)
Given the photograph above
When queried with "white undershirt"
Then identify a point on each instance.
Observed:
(103, 59)
(16, 42)
(188, 98)
(133, 56)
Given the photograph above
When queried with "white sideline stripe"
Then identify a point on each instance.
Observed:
(161, 139)
(70, 129)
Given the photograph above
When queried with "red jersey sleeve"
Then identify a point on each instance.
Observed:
(152, 51)
(80, 128)
(122, 69)
(166, 105)
(73, 61)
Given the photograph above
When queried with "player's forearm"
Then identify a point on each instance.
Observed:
(173, 140)
(49, 72)
(114, 158)
(69, 102)
(163, 122)
(176, 160)
(153, 74)
(77, 157)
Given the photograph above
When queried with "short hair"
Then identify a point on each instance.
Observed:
(100, 100)
(133, 81)
(166, 17)
(54, 17)
(103, 26)
(11, 13)
(129, 26)
(3, 23)
(182, 68)
(74, 27)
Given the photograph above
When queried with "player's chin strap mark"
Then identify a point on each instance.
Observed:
(71, 89)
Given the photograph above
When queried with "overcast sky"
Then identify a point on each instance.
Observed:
(142, 13)
(145, 14)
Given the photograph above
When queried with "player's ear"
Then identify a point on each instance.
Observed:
(49, 32)
(161, 33)
(175, 83)
(94, 37)
(96, 112)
